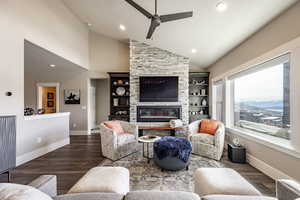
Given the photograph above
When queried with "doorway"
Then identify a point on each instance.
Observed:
(48, 97)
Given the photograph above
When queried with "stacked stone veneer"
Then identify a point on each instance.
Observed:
(151, 61)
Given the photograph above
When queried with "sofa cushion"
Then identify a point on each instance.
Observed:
(203, 138)
(208, 126)
(235, 197)
(159, 195)
(223, 181)
(103, 179)
(90, 196)
(115, 126)
(10, 191)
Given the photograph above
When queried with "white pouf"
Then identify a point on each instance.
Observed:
(10, 191)
(103, 179)
(223, 181)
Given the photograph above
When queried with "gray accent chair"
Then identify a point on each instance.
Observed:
(115, 146)
(210, 146)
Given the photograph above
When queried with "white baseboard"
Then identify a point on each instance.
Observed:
(266, 168)
(79, 132)
(41, 151)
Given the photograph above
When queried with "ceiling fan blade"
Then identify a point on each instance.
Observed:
(139, 8)
(152, 28)
(177, 16)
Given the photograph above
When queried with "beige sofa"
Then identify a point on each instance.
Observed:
(114, 190)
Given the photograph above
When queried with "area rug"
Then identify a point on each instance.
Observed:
(144, 176)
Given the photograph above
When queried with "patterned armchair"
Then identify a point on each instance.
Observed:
(207, 145)
(115, 145)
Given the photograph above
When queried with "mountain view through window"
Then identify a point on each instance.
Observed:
(262, 101)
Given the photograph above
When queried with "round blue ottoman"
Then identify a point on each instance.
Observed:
(171, 153)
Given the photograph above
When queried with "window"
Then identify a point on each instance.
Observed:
(218, 96)
(261, 98)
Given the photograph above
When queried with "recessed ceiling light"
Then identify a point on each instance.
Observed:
(52, 65)
(221, 6)
(194, 50)
(122, 27)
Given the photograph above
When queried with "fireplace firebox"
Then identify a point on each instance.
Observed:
(158, 113)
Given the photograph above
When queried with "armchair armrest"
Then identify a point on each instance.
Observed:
(46, 184)
(105, 130)
(130, 128)
(287, 189)
(194, 127)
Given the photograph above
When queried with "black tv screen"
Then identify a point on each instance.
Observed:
(159, 89)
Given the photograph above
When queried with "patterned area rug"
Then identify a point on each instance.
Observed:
(144, 176)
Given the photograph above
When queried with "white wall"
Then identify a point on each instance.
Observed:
(43, 134)
(275, 39)
(102, 100)
(48, 24)
(108, 55)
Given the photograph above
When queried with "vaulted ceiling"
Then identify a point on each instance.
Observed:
(210, 32)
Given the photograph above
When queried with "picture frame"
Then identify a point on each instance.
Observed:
(50, 95)
(72, 96)
(50, 104)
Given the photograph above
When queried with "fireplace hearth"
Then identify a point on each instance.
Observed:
(158, 113)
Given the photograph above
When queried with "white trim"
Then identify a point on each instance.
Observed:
(266, 169)
(50, 84)
(266, 141)
(79, 132)
(46, 116)
(41, 151)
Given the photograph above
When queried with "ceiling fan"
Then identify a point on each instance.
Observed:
(156, 19)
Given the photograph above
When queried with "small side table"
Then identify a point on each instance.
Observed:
(147, 141)
(236, 154)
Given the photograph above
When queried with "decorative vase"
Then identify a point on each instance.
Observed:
(204, 102)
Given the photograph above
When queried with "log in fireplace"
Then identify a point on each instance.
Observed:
(158, 113)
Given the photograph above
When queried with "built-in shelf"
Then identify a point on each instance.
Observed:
(123, 85)
(198, 81)
(199, 85)
(121, 106)
(120, 96)
(200, 106)
(116, 112)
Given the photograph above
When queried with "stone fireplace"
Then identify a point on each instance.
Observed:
(158, 113)
(146, 60)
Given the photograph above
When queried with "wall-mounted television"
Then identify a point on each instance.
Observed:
(159, 89)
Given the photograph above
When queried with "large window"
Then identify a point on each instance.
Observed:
(261, 98)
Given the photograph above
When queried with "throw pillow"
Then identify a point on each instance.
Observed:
(10, 191)
(115, 126)
(208, 126)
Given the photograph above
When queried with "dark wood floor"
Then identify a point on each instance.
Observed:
(73, 161)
